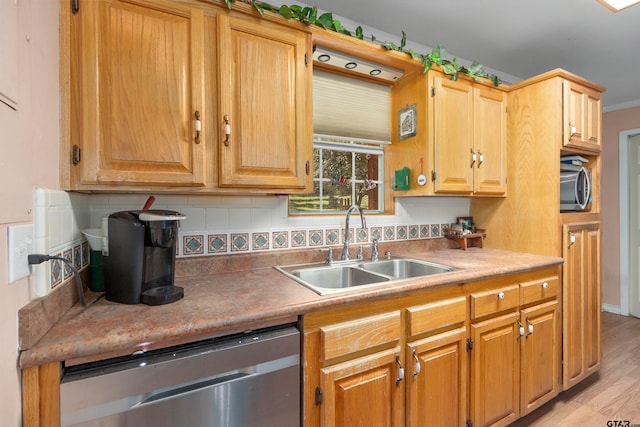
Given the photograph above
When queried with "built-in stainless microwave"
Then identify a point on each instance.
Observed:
(575, 189)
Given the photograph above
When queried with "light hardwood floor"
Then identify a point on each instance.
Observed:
(611, 394)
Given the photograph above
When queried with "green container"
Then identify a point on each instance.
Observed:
(96, 278)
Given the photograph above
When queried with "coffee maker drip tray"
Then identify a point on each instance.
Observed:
(161, 295)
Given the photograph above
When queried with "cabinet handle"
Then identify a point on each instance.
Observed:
(529, 326)
(480, 158)
(417, 366)
(501, 295)
(197, 126)
(473, 158)
(400, 370)
(572, 239)
(227, 130)
(545, 285)
(520, 329)
(572, 131)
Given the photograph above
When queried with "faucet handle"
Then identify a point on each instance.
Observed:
(329, 251)
(374, 249)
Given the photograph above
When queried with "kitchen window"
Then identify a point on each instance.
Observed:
(351, 124)
(347, 171)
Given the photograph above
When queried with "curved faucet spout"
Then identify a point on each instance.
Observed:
(345, 247)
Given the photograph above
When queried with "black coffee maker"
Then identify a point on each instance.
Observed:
(140, 264)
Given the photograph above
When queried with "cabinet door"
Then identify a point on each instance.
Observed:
(363, 392)
(437, 380)
(581, 302)
(139, 75)
(582, 117)
(266, 138)
(495, 362)
(490, 141)
(540, 356)
(453, 135)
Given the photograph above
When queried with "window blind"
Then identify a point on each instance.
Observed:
(350, 107)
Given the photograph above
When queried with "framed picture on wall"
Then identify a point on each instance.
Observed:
(407, 122)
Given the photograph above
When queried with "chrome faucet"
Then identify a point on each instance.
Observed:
(345, 247)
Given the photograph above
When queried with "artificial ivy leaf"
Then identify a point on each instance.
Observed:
(373, 38)
(257, 7)
(391, 46)
(325, 20)
(449, 68)
(475, 68)
(403, 41)
(454, 77)
(285, 11)
(359, 33)
(229, 3)
(413, 53)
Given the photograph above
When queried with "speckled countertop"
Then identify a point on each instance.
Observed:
(225, 299)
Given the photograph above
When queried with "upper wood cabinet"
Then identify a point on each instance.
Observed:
(137, 84)
(582, 117)
(460, 141)
(185, 96)
(265, 75)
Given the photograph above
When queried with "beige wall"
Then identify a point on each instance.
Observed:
(612, 124)
(29, 144)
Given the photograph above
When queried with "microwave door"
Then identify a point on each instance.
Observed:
(583, 188)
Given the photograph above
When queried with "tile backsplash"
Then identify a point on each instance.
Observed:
(223, 225)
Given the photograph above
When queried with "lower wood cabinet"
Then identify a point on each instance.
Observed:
(582, 328)
(481, 354)
(363, 391)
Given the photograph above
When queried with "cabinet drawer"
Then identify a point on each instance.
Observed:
(537, 290)
(440, 314)
(494, 301)
(355, 335)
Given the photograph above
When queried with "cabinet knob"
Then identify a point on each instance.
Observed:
(501, 295)
(545, 285)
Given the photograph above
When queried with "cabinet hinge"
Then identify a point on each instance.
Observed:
(75, 6)
(433, 91)
(433, 176)
(75, 157)
(469, 344)
(318, 396)
(469, 423)
(306, 59)
(307, 168)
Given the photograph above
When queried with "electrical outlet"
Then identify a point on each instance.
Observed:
(20, 244)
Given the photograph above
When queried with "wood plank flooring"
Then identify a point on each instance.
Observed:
(611, 394)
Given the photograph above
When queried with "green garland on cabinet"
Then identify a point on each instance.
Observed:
(438, 55)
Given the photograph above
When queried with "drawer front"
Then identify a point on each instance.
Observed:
(348, 337)
(436, 315)
(537, 290)
(494, 301)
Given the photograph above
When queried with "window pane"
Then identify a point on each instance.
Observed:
(306, 202)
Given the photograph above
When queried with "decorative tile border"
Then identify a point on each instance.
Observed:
(223, 243)
(76, 252)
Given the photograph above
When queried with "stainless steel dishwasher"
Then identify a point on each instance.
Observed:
(244, 380)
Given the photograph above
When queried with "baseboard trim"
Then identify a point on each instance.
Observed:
(615, 309)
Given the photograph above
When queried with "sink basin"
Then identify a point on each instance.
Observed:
(338, 277)
(405, 268)
(325, 279)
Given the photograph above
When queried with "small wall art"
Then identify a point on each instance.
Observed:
(407, 122)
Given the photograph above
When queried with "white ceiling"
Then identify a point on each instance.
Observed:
(521, 38)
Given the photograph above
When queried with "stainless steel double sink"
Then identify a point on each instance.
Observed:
(341, 276)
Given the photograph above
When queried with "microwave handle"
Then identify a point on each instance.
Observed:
(583, 199)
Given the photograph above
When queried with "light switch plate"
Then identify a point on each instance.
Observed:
(20, 244)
